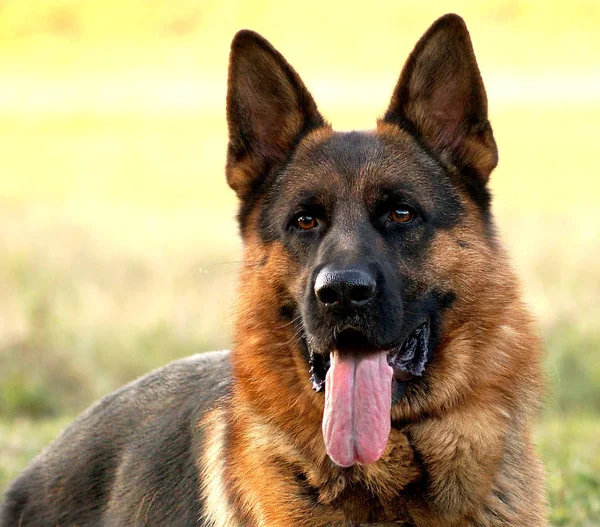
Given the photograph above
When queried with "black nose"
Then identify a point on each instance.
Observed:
(344, 288)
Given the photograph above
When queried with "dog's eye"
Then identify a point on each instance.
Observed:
(306, 222)
(402, 214)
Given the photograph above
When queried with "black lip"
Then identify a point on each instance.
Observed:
(412, 356)
(408, 359)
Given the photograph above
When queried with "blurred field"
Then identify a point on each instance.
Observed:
(118, 249)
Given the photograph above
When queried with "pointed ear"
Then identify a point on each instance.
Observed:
(268, 110)
(440, 97)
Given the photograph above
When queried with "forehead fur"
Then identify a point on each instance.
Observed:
(366, 158)
(333, 168)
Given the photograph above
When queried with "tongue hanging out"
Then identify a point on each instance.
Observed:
(358, 399)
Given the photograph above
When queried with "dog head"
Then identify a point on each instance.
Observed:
(364, 250)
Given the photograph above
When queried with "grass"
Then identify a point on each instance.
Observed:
(571, 452)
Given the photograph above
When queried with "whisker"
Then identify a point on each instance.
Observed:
(293, 337)
(223, 263)
(238, 263)
(293, 321)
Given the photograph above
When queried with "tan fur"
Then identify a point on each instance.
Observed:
(218, 510)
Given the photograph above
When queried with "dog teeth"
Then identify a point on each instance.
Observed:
(318, 369)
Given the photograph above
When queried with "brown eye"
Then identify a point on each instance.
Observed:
(306, 222)
(402, 215)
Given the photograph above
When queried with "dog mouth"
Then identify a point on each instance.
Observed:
(407, 360)
(361, 384)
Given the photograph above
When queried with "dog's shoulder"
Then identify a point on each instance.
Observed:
(143, 438)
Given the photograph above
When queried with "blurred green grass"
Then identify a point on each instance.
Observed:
(570, 448)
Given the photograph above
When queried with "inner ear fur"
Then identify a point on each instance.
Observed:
(440, 98)
(268, 111)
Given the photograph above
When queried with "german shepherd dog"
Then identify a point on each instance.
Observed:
(385, 370)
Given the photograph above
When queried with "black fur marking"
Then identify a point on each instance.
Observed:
(307, 491)
(287, 312)
(479, 193)
(446, 299)
(496, 515)
(417, 488)
(304, 348)
(502, 496)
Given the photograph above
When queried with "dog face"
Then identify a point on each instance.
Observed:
(357, 212)
(365, 240)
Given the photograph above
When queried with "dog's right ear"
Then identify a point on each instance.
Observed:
(440, 97)
(268, 110)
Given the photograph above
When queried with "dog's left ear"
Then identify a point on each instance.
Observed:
(268, 110)
(440, 97)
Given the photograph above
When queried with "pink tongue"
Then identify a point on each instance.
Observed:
(358, 400)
